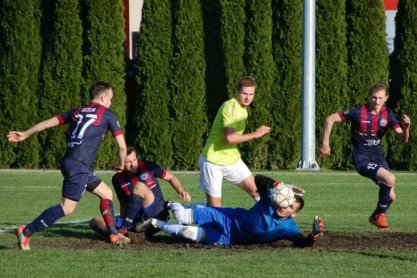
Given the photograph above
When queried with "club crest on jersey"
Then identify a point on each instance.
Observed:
(382, 122)
(345, 112)
(144, 176)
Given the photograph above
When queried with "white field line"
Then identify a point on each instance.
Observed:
(13, 228)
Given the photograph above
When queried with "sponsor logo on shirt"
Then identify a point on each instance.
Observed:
(372, 142)
(124, 185)
(382, 123)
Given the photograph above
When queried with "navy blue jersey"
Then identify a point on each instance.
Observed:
(259, 224)
(368, 129)
(87, 127)
(148, 173)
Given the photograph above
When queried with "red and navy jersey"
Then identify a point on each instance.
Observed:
(368, 129)
(148, 173)
(87, 128)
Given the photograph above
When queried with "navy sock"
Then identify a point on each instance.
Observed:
(46, 219)
(384, 198)
(133, 207)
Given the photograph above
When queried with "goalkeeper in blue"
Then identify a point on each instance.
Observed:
(265, 222)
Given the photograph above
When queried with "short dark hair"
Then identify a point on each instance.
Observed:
(130, 150)
(246, 81)
(299, 200)
(99, 87)
(380, 86)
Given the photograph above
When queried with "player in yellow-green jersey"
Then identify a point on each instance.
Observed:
(220, 157)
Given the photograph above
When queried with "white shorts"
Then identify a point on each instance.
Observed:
(211, 175)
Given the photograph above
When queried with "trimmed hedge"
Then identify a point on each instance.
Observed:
(104, 60)
(20, 58)
(188, 84)
(153, 122)
(404, 83)
(259, 64)
(286, 92)
(60, 74)
(331, 79)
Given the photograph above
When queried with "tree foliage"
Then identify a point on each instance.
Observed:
(153, 121)
(104, 61)
(20, 58)
(188, 84)
(61, 73)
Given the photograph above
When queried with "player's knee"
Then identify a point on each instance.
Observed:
(390, 180)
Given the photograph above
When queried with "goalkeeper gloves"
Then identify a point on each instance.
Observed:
(318, 227)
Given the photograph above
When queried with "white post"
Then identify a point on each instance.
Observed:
(308, 157)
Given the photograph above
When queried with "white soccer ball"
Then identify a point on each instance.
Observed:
(283, 196)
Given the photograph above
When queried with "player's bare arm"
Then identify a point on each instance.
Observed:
(18, 136)
(403, 133)
(327, 130)
(176, 184)
(121, 153)
(232, 137)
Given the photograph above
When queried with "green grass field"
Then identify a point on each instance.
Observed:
(344, 199)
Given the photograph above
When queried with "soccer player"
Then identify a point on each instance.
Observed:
(139, 194)
(87, 127)
(265, 222)
(220, 157)
(369, 122)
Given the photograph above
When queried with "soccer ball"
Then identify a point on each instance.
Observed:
(282, 196)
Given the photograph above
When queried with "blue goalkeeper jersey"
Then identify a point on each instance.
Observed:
(260, 224)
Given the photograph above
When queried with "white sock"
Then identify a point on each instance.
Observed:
(193, 233)
(181, 214)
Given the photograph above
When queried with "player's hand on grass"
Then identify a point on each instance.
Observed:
(318, 227)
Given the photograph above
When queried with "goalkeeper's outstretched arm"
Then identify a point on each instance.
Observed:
(299, 240)
(263, 183)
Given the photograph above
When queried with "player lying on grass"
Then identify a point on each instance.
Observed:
(139, 194)
(264, 222)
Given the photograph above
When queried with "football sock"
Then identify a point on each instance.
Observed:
(384, 198)
(46, 219)
(193, 233)
(106, 208)
(181, 214)
(133, 207)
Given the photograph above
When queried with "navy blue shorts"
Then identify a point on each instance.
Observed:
(77, 179)
(155, 210)
(368, 167)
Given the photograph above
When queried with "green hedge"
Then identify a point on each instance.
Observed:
(104, 60)
(259, 64)
(60, 74)
(191, 55)
(331, 79)
(153, 122)
(286, 92)
(404, 83)
(20, 58)
(188, 84)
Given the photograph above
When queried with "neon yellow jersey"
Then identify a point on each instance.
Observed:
(216, 150)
